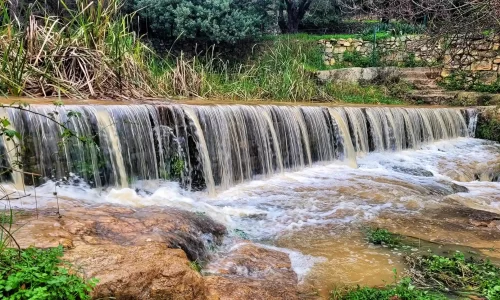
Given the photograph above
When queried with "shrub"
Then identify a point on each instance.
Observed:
(356, 59)
(489, 128)
(212, 20)
(39, 274)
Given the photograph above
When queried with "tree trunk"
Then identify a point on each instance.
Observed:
(281, 19)
(293, 18)
(296, 10)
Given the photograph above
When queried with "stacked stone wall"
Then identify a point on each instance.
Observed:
(477, 58)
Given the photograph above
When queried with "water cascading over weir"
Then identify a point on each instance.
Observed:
(209, 147)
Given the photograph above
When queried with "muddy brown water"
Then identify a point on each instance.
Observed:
(316, 214)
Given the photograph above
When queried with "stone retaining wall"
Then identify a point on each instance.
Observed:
(476, 57)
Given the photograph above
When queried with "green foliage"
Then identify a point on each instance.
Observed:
(404, 290)
(400, 29)
(489, 128)
(366, 94)
(487, 88)
(195, 266)
(322, 14)
(212, 20)
(380, 236)
(356, 59)
(394, 29)
(370, 36)
(278, 72)
(412, 62)
(177, 167)
(458, 274)
(39, 274)
(469, 82)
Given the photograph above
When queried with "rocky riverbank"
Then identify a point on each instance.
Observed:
(154, 253)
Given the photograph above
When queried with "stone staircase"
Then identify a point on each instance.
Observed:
(426, 91)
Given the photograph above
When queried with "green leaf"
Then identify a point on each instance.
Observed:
(12, 133)
(5, 122)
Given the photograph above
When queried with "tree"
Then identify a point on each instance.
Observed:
(295, 12)
(209, 20)
(322, 15)
(443, 17)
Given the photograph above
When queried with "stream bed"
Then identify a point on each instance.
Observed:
(439, 194)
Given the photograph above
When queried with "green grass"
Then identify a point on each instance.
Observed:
(316, 37)
(353, 93)
(403, 290)
(40, 274)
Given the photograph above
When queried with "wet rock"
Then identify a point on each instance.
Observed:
(241, 288)
(251, 260)
(445, 188)
(413, 171)
(459, 188)
(115, 225)
(152, 271)
(250, 271)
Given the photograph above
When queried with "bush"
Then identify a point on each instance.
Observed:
(39, 274)
(489, 128)
(356, 59)
(469, 82)
(322, 15)
(212, 20)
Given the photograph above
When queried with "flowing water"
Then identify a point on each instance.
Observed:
(304, 179)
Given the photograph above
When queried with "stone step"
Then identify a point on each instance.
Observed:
(425, 84)
(433, 97)
(413, 75)
(449, 94)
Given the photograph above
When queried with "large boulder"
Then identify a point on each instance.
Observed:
(151, 271)
(124, 226)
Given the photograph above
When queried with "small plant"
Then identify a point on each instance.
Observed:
(399, 290)
(404, 290)
(40, 274)
(380, 236)
(412, 62)
(178, 166)
(456, 274)
(195, 266)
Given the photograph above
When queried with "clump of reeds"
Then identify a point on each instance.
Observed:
(88, 52)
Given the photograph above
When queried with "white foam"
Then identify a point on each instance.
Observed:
(317, 196)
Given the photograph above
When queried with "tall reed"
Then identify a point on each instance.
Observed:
(87, 52)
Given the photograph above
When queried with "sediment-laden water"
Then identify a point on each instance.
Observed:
(304, 179)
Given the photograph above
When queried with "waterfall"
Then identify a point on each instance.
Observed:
(472, 115)
(213, 147)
